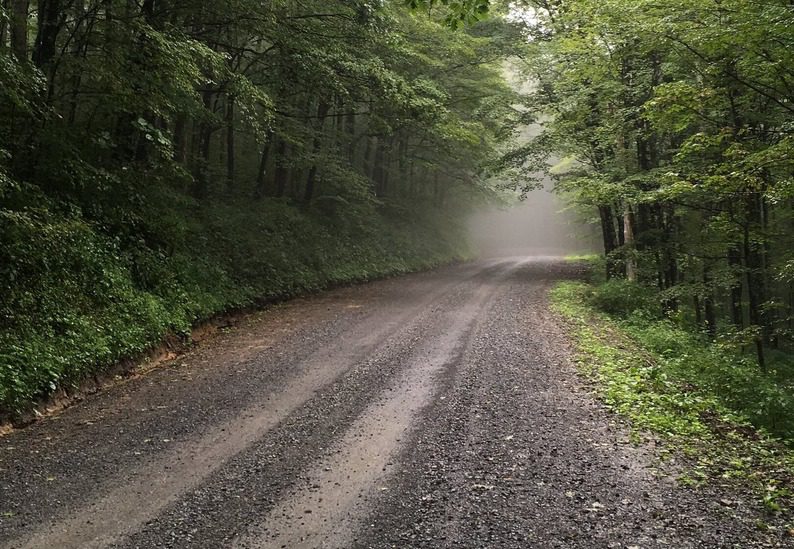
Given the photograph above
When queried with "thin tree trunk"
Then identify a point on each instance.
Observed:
(753, 287)
(180, 140)
(402, 165)
(230, 143)
(281, 172)
(378, 171)
(790, 311)
(351, 136)
(261, 174)
(628, 240)
(737, 312)
(367, 163)
(47, 35)
(201, 168)
(671, 272)
(609, 240)
(19, 28)
(386, 169)
(768, 315)
(311, 181)
(4, 26)
(412, 179)
(80, 49)
(708, 305)
(698, 312)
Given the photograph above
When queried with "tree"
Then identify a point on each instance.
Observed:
(677, 118)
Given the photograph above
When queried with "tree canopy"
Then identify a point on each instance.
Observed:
(164, 160)
(675, 122)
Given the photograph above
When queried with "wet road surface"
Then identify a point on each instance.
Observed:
(438, 409)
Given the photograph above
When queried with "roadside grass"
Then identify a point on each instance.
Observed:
(583, 257)
(701, 400)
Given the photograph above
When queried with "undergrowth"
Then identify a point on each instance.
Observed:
(708, 402)
(79, 295)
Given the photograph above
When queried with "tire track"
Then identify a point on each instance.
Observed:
(144, 491)
(337, 494)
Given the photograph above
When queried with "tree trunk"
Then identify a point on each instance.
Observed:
(310, 184)
(47, 35)
(351, 136)
(402, 165)
(737, 312)
(698, 312)
(281, 172)
(147, 9)
(367, 162)
(230, 143)
(201, 167)
(386, 170)
(790, 311)
(609, 239)
(19, 28)
(261, 174)
(4, 26)
(768, 315)
(412, 179)
(708, 305)
(669, 225)
(311, 181)
(628, 240)
(378, 170)
(754, 295)
(621, 232)
(180, 140)
(79, 50)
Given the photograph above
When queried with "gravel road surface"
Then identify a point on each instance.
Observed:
(438, 409)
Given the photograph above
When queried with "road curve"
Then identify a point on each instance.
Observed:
(433, 410)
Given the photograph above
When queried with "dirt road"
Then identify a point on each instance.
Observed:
(432, 410)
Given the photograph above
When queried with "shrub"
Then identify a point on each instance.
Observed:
(623, 298)
(76, 298)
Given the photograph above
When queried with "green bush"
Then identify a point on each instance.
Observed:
(686, 371)
(78, 297)
(622, 298)
(733, 379)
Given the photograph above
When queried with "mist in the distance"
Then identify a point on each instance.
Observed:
(539, 226)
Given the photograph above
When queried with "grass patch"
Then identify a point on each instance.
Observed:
(706, 402)
(586, 258)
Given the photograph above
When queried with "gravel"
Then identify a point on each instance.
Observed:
(433, 410)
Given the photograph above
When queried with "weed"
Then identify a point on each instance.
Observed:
(705, 403)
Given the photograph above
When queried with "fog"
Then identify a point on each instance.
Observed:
(539, 226)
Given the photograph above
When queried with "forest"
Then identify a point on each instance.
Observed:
(676, 122)
(164, 161)
(671, 125)
(242, 302)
